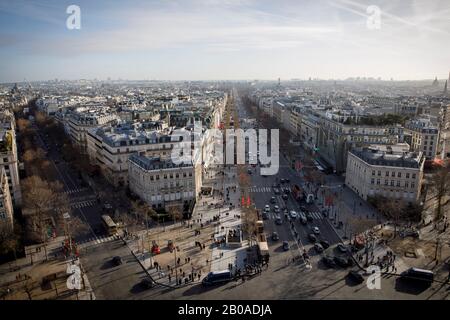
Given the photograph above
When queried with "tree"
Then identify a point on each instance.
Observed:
(40, 197)
(440, 184)
(143, 211)
(9, 239)
(249, 219)
(392, 208)
(175, 213)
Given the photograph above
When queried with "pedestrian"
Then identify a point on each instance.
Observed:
(170, 278)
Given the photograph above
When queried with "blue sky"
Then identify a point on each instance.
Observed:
(228, 39)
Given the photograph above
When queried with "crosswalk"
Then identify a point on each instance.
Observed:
(256, 189)
(316, 215)
(83, 204)
(97, 240)
(77, 190)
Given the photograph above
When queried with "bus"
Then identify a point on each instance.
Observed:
(110, 225)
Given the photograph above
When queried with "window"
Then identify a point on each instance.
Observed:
(151, 178)
(386, 182)
(378, 181)
(399, 174)
(157, 177)
(379, 173)
(373, 172)
(387, 173)
(392, 182)
(372, 181)
(413, 175)
(413, 185)
(393, 174)
(407, 175)
(406, 184)
(165, 176)
(398, 183)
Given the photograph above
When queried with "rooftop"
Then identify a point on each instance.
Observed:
(155, 163)
(392, 156)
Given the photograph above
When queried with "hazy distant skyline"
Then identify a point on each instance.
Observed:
(229, 39)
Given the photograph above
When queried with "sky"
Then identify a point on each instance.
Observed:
(228, 39)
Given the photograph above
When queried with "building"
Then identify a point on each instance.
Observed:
(8, 155)
(389, 171)
(6, 206)
(109, 147)
(422, 135)
(80, 120)
(160, 182)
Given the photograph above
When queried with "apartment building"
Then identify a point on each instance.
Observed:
(6, 205)
(79, 120)
(8, 155)
(160, 182)
(109, 147)
(422, 135)
(389, 171)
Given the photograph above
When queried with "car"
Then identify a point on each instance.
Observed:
(318, 247)
(303, 220)
(278, 221)
(356, 276)
(275, 185)
(273, 200)
(341, 261)
(147, 283)
(312, 237)
(325, 244)
(275, 236)
(265, 215)
(316, 230)
(282, 180)
(285, 245)
(276, 191)
(309, 216)
(293, 214)
(287, 180)
(342, 248)
(266, 208)
(249, 171)
(117, 261)
(284, 196)
(287, 190)
(276, 209)
(328, 261)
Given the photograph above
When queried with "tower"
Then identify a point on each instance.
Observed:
(445, 87)
(435, 82)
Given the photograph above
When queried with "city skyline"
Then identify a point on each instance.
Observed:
(228, 40)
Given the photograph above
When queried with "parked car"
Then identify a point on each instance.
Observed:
(356, 276)
(293, 214)
(312, 237)
(275, 236)
(265, 215)
(282, 180)
(342, 248)
(146, 283)
(276, 191)
(276, 209)
(273, 200)
(309, 216)
(267, 208)
(328, 261)
(278, 221)
(117, 261)
(287, 180)
(318, 247)
(285, 196)
(316, 230)
(325, 244)
(341, 261)
(285, 245)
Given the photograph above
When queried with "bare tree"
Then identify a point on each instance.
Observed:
(249, 219)
(440, 183)
(9, 238)
(175, 213)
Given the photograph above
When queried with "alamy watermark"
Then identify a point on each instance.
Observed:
(373, 21)
(374, 279)
(74, 19)
(74, 281)
(207, 147)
